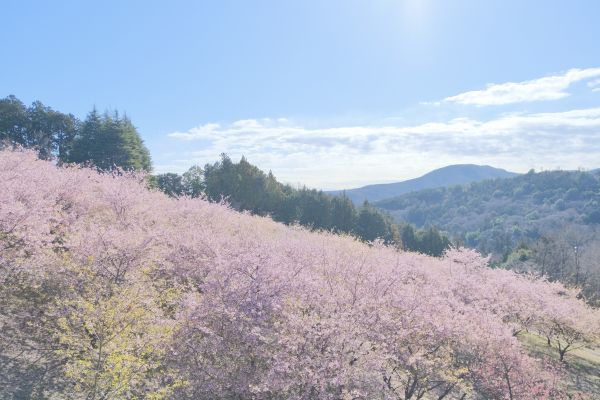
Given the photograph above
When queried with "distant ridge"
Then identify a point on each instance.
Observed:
(495, 216)
(447, 176)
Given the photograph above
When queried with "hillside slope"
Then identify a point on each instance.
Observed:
(493, 215)
(446, 176)
(109, 290)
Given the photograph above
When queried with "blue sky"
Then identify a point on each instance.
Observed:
(329, 93)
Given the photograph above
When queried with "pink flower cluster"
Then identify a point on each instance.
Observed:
(188, 299)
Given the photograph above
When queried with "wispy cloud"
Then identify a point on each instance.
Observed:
(594, 85)
(342, 157)
(546, 88)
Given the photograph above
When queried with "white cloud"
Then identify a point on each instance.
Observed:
(594, 85)
(546, 88)
(348, 156)
(206, 131)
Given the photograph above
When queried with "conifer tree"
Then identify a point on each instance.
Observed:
(343, 214)
(108, 142)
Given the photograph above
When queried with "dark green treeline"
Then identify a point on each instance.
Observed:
(247, 188)
(103, 140)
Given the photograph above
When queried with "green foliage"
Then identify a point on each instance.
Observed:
(193, 181)
(430, 241)
(343, 214)
(495, 215)
(190, 183)
(583, 372)
(372, 224)
(110, 142)
(102, 140)
(521, 254)
(38, 127)
(170, 183)
(246, 188)
(111, 335)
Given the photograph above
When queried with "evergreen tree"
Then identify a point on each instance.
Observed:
(221, 180)
(139, 155)
(343, 214)
(288, 210)
(371, 224)
(108, 142)
(314, 208)
(36, 127)
(432, 242)
(408, 238)
(247, 188)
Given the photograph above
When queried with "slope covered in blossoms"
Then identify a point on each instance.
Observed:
(111, 291)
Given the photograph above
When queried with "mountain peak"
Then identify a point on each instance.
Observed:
(457, 174)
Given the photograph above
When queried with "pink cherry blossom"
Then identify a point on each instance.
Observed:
(109, 290)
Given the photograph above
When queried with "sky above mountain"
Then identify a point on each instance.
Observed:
(334, 93)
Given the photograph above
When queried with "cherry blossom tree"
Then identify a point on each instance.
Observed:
(109, 290)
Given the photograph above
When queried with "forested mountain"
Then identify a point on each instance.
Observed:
(493, 215)
(446, 176)
(109, 290)
(246, 188)
(547, 223)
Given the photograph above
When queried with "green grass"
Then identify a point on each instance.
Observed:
(582, 365)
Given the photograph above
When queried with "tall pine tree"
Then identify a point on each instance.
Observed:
(109, 142)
